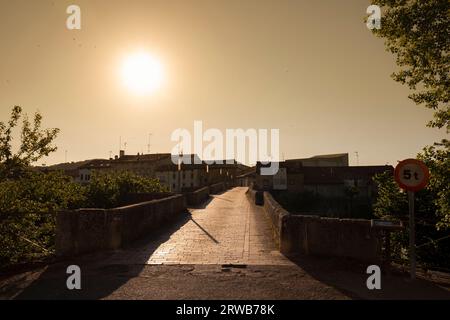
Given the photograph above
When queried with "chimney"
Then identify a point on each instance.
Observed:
(121, 153)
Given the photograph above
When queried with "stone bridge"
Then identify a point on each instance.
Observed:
(221, 250)
(228, 229)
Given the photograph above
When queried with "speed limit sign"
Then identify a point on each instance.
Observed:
(411, 175)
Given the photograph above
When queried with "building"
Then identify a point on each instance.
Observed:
(176, 177)
(338, 182)
(76, 170)
(141, 164)
(246, 178)
(183, 177)
(311, 174)
(327, 160)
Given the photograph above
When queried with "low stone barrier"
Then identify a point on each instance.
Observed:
(88, 230)
(217, 188)
(197, 197)
(350, 238)
(134, 198)
(251, 194)
(278, 216)
(307, 234)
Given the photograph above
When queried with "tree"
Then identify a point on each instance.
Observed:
(416, 32)
(390, 203)
(35, 143)
(432, 206)
(28, 207)
(107, 190)
(437, 158)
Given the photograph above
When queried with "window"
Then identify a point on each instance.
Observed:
(81, 177)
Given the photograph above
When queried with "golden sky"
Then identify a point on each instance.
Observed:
(309, 68)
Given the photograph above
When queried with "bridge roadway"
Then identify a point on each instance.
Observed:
(227, 230)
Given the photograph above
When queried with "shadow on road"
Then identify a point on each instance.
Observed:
(204, 230)
(101, 273)
(349, 277)
(203, 205)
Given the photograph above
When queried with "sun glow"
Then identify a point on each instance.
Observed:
(142, 73)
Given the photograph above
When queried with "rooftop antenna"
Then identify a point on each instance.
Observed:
(149, 139)
(357, 158)
(120, 143)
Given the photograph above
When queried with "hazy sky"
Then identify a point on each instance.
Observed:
(309, 68)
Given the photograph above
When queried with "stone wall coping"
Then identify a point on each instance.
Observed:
(200, 190)
(135, 205)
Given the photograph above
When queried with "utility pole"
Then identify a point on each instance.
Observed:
(412, 236)
(357, 158)
(65, 156)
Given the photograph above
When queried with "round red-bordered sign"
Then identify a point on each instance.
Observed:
(411, 175)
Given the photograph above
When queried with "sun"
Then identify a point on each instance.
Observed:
(142, 73)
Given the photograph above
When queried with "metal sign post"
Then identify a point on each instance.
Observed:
(412, 175)
(412, 236)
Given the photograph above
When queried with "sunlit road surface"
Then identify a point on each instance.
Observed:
(228, 230)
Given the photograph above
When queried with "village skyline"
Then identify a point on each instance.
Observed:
(324, 83)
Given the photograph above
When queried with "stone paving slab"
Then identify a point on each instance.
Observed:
(228, 230)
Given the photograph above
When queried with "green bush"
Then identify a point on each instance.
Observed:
(27, 214)
(108, 190)
(28, 207)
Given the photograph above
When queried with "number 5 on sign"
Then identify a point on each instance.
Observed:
(411, 175)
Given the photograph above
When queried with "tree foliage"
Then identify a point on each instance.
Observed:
(30, 199)
(27, 213)
(432, 209)
(391, 202)
(107, 190)
(35, 143)
(417, 33)
(437, 158)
